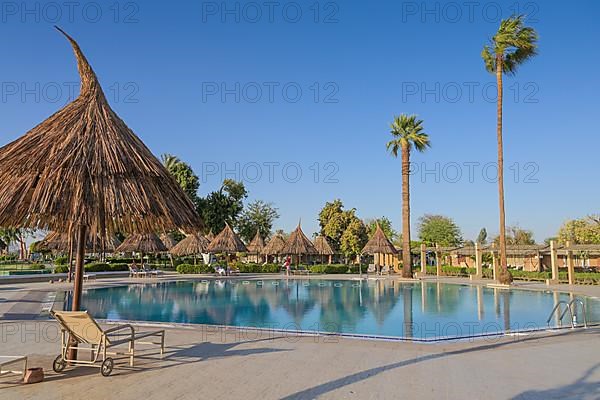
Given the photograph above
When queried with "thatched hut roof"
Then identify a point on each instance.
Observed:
(257, 244)
(168, 240)
(84, 166)
(191, 245)
(55, 241)
(210, 235)
(323, 246)
(227, 242)
(379, 244)
(298, 243)
(146, 243)
(275, 245)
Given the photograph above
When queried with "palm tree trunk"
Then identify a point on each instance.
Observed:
(406, 259)
(501, 166)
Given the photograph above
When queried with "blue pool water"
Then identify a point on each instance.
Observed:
(421, 311)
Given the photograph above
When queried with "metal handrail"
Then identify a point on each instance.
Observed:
(561, 317)
(570, 305)
(569, 308)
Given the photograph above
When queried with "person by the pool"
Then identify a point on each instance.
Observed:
(287, 263)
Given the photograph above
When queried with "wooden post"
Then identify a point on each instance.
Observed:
(438, 261)
(78, 285)
(570, 266)
(494, 262)
(478, 265)
(423, 259)
(554, 264)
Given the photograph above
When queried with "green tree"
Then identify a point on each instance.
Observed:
(386, 227)
(257, 216)
(580, 231)
(516, 236)
(482, 237)
(439, 229)
(183, 174)
(407, 132)
(511, 46)
(16, 235)
(354, 238)
(334, 221)
(224, 205)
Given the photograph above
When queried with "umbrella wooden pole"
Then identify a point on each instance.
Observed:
(70, 272)
(78, 285)
(81, 230)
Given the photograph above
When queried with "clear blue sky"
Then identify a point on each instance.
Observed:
(163, 67)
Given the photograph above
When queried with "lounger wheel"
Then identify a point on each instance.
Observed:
(107, 367)
(59, 364)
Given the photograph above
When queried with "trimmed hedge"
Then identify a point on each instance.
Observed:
(252, 268)
(329, 269)
(195, 269)
(61, 269)
(62, 260)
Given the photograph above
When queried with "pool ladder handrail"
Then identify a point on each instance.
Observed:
(569, 308)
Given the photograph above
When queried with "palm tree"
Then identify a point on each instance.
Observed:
(407, 132)
(511, 46)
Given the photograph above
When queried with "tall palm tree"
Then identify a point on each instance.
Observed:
(511, 46)
(407, 132)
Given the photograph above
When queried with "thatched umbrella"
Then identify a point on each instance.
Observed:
(274, 247)
(298, 244)
(324, 247)
(61, 242)
(192, 245)
(257, 245)
(168, 240)
(379, 244)
(227, 242)
(83, 170)
(210, 236)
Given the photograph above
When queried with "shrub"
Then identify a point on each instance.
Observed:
(61, 269)
(195, 269)
(37, 266)
(329, 269)
(62, 260)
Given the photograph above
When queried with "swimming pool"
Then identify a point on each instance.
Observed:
(377, 308)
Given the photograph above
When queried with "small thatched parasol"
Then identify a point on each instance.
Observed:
(83, 170)
(227, 242)
(191, 245)
(298, 244)
(168, 240)
(55, 241)
(323, 247)
(379, 244)
(275, 246)
(257, 244)
(142, 243)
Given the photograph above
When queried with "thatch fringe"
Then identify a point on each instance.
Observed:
(168, 240)
(193, 244)
(227, 242)
(84, 166)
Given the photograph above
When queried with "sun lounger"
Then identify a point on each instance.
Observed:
(372, 269)
(79, 329)
(87, 277)
(7, 360)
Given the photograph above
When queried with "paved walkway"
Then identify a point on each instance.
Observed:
(205, 362)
